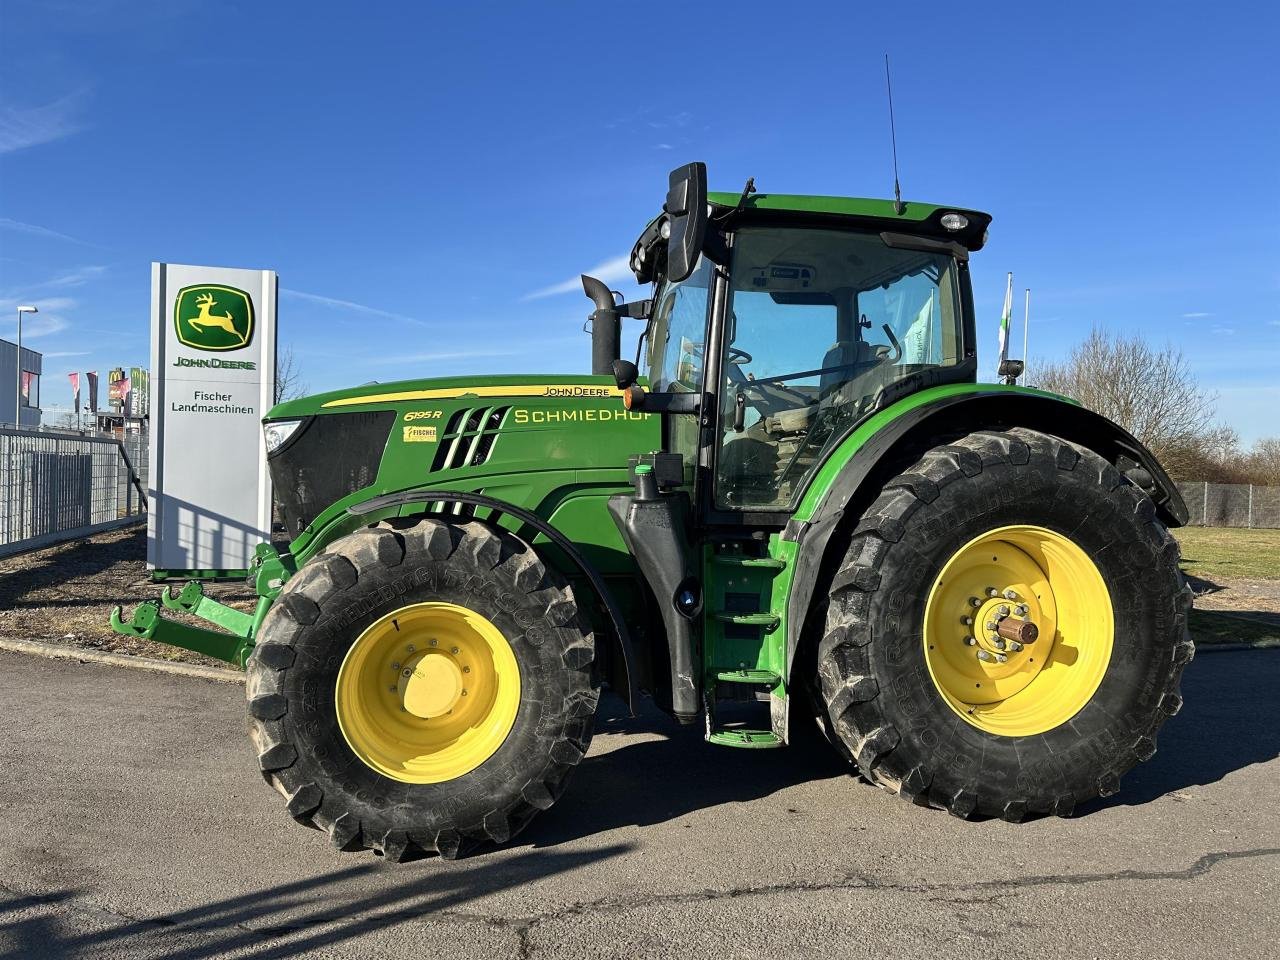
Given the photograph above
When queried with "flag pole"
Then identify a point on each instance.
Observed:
(1026, 332)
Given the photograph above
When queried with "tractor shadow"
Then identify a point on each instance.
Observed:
(290, 919)
(654, 781)
(1227, 723)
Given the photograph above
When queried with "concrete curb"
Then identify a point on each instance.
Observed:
(57, 651)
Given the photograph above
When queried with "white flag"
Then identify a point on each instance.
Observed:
(1005, 315)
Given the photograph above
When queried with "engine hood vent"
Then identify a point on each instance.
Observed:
(469, 437)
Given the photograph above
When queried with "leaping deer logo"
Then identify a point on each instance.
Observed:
(221, 321)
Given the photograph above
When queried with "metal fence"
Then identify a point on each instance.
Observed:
(56, 487)
(1231, 504)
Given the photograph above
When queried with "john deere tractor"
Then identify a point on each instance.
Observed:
(793, 499)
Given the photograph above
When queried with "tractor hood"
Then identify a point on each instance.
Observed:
(379, 395)
(334, 450)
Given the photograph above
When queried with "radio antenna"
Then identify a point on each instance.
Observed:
(893, 139)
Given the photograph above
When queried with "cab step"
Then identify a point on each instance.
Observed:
(763, 677)
(753, 563)
(769, 621)
(745, 739)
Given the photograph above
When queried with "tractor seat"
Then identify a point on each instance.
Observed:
(856, 357)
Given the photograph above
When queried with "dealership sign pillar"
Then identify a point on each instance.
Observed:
(213, 353)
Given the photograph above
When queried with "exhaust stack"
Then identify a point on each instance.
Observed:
(606, 327)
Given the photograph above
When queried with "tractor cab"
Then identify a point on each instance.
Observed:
(780, 321)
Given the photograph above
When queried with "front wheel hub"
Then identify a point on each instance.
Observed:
(431, 686)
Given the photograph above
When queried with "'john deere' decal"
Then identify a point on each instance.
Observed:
(213, 317)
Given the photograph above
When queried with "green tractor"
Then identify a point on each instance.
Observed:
(796, 500)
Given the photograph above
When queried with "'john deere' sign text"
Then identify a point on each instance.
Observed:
(213, 317)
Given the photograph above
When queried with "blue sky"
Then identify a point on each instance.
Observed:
(429, 179)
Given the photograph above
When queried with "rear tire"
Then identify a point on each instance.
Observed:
(343, 781)
(897, 712)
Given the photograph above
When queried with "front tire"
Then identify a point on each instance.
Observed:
(922, 691)
(422, 686)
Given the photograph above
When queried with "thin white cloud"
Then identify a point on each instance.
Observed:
(49, 320)
(75, 278)
(41, 325)
(66, 353)
(452, 355)
(333, 303)
(1196, 316)
(35, 230)
(611, 271)
(31, 126)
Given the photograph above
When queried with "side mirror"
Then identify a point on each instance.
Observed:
(686, 209)
(625, 373)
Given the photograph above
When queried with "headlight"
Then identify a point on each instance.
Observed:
(277, 432)
(954, 221)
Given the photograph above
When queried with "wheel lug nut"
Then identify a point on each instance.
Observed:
(407, 673)
(411, 647)
(1001, 658)
(984, 656)
(454, 651)
(396, 665)
(967, 621)
(975, 602)
(466, 669)
(992, 592)
(1010, 595)
(1015, 646)
(1020, 609)
(991, 624)
(1000, 644)
(464, 692)
(433, 643)
(1003, 610)
(970, 641)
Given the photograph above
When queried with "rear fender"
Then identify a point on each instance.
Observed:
(866, 459)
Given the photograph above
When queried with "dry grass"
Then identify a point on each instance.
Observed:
(1228, 553)
(64, 594)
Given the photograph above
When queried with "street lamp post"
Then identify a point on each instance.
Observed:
(17, 393)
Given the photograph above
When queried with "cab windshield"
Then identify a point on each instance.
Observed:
(819, 323)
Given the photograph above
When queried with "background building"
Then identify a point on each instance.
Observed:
(32, 366)
(128, 402)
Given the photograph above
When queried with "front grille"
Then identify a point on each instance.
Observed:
(468, 437)
(329, 457)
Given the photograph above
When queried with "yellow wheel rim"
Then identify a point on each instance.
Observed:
(1011, 577)
(428, 693)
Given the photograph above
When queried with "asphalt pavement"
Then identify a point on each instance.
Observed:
(133, 823)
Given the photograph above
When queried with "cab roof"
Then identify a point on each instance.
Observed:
(915, 216)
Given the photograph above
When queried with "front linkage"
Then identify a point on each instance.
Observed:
(235, 640)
